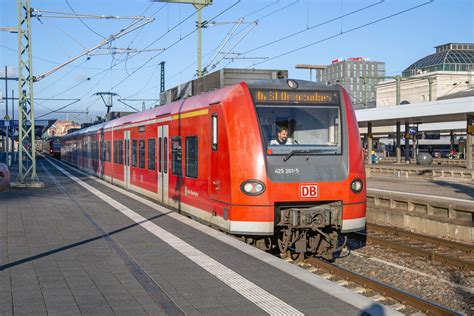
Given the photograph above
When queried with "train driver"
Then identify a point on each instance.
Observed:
(282, 138)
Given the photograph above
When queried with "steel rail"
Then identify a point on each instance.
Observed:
(429, 254)
(434, 240)
(387, 290)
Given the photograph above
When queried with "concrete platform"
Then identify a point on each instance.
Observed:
(81, 246)
(432, 206)
(414, 171)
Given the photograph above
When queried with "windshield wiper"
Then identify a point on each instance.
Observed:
(307, 151)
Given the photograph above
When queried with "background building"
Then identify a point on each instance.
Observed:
(61, 128)
(449, 72)
(359, 76)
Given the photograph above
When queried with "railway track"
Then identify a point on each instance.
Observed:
(384, 289)
(447, 252)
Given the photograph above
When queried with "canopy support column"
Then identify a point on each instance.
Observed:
(398, 147)
(369, 143)
(407, 143)
(470, 131)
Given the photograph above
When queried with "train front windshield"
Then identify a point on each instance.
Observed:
(310, 128)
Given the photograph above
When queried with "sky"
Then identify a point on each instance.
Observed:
(258, 33)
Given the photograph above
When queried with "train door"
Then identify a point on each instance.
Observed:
(126, 162)
(214, 183)
(163, 162)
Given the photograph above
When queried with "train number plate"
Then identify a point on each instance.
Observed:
(309, 191)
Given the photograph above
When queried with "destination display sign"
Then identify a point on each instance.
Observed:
(288, 96)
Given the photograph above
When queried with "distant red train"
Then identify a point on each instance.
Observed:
(223, 158)
(52, 146)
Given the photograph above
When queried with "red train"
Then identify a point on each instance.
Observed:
(52, 146)
(277, 162)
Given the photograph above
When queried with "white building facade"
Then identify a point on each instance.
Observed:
(416, 89)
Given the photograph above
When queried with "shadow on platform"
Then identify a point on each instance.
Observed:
(458, 187)
(76, 244)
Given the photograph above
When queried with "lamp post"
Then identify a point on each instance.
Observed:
(311, 67)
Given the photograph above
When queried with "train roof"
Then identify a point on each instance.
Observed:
(176, 107)
(195, 102)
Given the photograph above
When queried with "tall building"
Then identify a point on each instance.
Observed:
(447, 73)
(358, 75)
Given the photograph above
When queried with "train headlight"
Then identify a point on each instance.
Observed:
(357, 186)
(252, 187)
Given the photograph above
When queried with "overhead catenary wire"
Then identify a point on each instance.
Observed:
(224, 55)
(279, 10)
(147, 46)
(59, 109)
(84, 23)
(342, 33)
(174, 43)
(313, 27)
(62, 77)
(261, 9)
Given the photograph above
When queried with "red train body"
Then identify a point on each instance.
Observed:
(213, 156)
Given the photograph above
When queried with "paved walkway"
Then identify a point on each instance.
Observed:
(81, 247)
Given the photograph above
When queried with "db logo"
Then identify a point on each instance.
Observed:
(308, 190)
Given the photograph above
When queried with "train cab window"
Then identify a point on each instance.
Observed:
(191, 157)
(134, 153)
(176, 156)
(141, 153)
(120, 152)
(214, 131)
(151, 154)
(310, 129)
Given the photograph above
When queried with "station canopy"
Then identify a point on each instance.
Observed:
(41, 126)
(451, 110)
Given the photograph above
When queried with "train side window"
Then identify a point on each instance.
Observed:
(115, 151)
(120, 151)
(165, 155)
(176, 156)
(134, 153)
(151, 154)
(214, 132)
(191, 157)
(141, 153)
(108, 151)
(160, 158)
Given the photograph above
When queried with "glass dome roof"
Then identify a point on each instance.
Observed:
(448, 60)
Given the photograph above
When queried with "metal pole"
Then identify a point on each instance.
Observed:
(407, 143)
(162, 79)
(369, 143)
(470, 131)
(27, 176)
(398, 148)
(199, 40)
(7, 124)
(13, 123)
